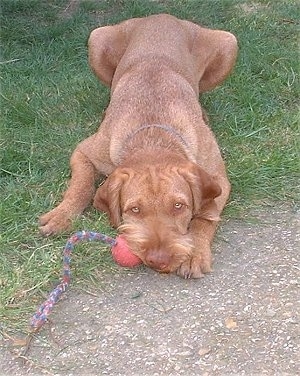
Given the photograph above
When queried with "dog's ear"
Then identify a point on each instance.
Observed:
(215, 53)
(106, 46)
(204, 190)
(108, 196)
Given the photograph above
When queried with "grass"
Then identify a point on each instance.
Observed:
(50, 101)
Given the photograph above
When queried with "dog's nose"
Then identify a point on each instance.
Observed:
(158, 259)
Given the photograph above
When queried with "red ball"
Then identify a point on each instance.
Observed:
(123, 255)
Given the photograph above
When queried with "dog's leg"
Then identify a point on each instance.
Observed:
(202, 232)
(77, 197)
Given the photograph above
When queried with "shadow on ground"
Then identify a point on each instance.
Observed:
(243, 319)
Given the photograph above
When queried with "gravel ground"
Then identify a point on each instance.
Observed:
(243, 319)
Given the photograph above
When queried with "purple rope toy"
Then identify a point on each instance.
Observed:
(41, 316)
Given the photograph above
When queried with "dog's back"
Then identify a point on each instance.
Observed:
(154, 80)
(161, 41)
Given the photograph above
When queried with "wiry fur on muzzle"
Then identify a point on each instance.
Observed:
(158, 245)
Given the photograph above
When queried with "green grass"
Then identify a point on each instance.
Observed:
(50, 101)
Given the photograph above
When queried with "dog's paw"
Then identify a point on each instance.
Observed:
(54, 221)
(194, 267)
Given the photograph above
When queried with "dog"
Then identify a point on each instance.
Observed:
(166, 180)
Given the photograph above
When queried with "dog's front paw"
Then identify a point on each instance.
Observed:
(194, 267)
(55, 221)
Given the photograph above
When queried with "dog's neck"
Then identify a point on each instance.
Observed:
(148, 141)
(165, 128)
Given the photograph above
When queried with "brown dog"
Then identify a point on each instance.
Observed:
(167, 183)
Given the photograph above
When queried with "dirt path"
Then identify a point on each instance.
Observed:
(243, 319)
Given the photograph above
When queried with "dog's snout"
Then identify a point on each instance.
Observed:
(158, 259)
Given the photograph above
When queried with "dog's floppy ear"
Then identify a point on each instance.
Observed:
(106, 46)
(215, 54)
(204, 190)
(108, 196)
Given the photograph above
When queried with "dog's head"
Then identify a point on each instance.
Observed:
(153, 207)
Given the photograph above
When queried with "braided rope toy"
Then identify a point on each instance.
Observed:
(120, 252)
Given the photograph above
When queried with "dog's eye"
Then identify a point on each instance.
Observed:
(178, 205)
(135, 210)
